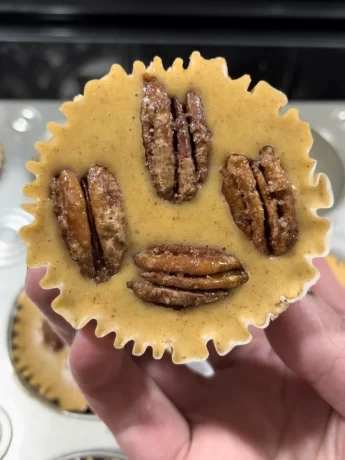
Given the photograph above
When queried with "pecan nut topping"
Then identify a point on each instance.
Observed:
(176, 140)
(181, 276)
(261, 201)
(50, 337)
(91, 219)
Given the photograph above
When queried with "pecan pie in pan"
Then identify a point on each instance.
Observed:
(176, 207)
(40, 358)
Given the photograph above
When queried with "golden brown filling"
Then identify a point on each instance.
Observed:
(177, 143)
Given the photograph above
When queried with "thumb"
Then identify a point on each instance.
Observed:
(143, 420)
(310, 338)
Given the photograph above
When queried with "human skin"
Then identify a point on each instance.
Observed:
(280, 397)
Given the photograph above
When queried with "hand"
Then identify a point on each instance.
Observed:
(280, 397)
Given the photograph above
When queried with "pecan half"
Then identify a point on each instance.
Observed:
(239, 188)
(176, 140)
(70, 209)
(278, 198)
(91, 219)
(50, 337)
(226, 280)
(186, 174)
(173, 297)
(188, 260)
(158, 130)
(261, 201)
(183, 276)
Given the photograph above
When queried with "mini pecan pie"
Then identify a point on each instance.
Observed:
(40, 358)
(176, 207)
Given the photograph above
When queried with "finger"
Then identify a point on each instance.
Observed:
(310, 338)
(328, 287)
(43, 298)
(178, 382)
(144, 422)
(257, 349)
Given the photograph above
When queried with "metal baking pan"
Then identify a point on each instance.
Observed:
(56, 434)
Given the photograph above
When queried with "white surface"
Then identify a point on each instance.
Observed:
(38, 431)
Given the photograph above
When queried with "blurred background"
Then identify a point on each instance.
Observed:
(50, 48)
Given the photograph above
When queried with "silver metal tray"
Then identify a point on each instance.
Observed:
(29, 428)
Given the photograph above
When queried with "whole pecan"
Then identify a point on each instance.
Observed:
(91, 219)
(261, 201)
(181, 276)
(176, 140)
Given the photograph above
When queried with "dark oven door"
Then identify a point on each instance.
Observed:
(49, 49)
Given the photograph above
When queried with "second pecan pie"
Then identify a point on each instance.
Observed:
(200, 172)
(40, 358)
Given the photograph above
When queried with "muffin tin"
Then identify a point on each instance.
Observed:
(21, 124)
